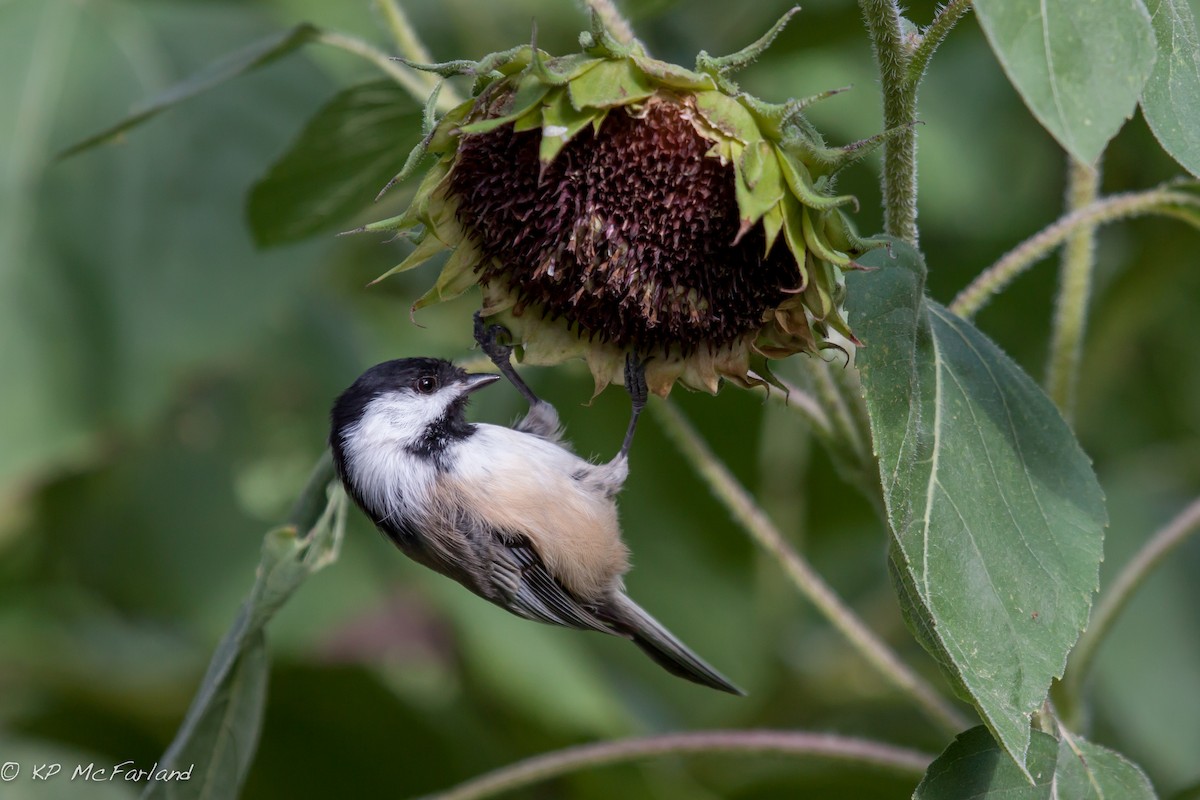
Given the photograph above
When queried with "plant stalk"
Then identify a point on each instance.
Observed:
(411, 47)
(893, 54)
(1113, 602)
(407, 78)
(795, 743)
(1162, 200)
(752, 518)
(946, 18)
(1074, 294)
(613, 20)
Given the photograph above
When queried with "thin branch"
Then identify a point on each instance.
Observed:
(412, 48)
(808, 406)
(1113, 602)
(803, 576)
(1074, 293)
(893, 56)
(613, 20)
(843, 441)
(794, 743)
(1110, 209)
(844, 418)
(407, 78)
(947, 16)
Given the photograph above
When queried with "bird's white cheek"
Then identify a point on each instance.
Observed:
(402, 417)
(390, 479)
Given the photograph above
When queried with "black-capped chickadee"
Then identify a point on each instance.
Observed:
(510, 513)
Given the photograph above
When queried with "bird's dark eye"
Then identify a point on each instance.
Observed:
(427, 384)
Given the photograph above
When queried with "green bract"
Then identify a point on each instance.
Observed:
(606, 201)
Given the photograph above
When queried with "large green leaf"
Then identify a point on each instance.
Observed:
(217, 740)
(249, 58)
(337, 164)
(1079, 66)
(996, 514)
(1171, 102)
(975, 768)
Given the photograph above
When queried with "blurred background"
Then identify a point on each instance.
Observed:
(165, 384)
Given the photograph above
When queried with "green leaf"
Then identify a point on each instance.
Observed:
(560, 123)
(456, 276)
(997, 516)
(1079, 66)
(336, 165)
(216, 757)
(1171, 102)
(250, 58)
(975, 767)
(609, 84)
(673, 75)
(219, 735)
(727, 115)
(759, 184)
(799, 180)
(1091, 772)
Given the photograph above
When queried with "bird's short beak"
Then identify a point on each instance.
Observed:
(478, 380)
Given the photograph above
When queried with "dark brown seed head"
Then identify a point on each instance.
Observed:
(628, 233)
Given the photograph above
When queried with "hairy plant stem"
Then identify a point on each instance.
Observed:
(752, 518)
(1162, 200)
(613, 20)
(838, 396)
(946, 18)
(1113, 602)
(808, 406)
(1074, 292)
(838, 417)
(902, 60)
(893, 54)
(406, 77)
(795, 743)
(411, 47)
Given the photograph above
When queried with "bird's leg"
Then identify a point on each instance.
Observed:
(609, 478)
(542, 419)
(635, 384)
(488, 337)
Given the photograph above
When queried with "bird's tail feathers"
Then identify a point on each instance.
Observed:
(665, 648)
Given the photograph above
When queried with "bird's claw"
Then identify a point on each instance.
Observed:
(489, 338)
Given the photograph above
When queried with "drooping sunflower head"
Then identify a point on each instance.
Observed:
(605, 202)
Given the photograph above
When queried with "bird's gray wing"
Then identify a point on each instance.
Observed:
(532, 592)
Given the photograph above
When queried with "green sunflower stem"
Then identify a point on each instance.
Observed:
(893, 55)
(534, 770)
(837, 414)
(902, 59)
(407, 78)
(1074, 293)
(947, 16)
(612, 19)
(1113, 602)
(412, 48)
(1163, 200)
(754, 520)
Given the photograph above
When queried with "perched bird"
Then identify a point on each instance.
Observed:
(510, 513)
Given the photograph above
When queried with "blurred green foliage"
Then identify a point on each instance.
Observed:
(165, 387)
